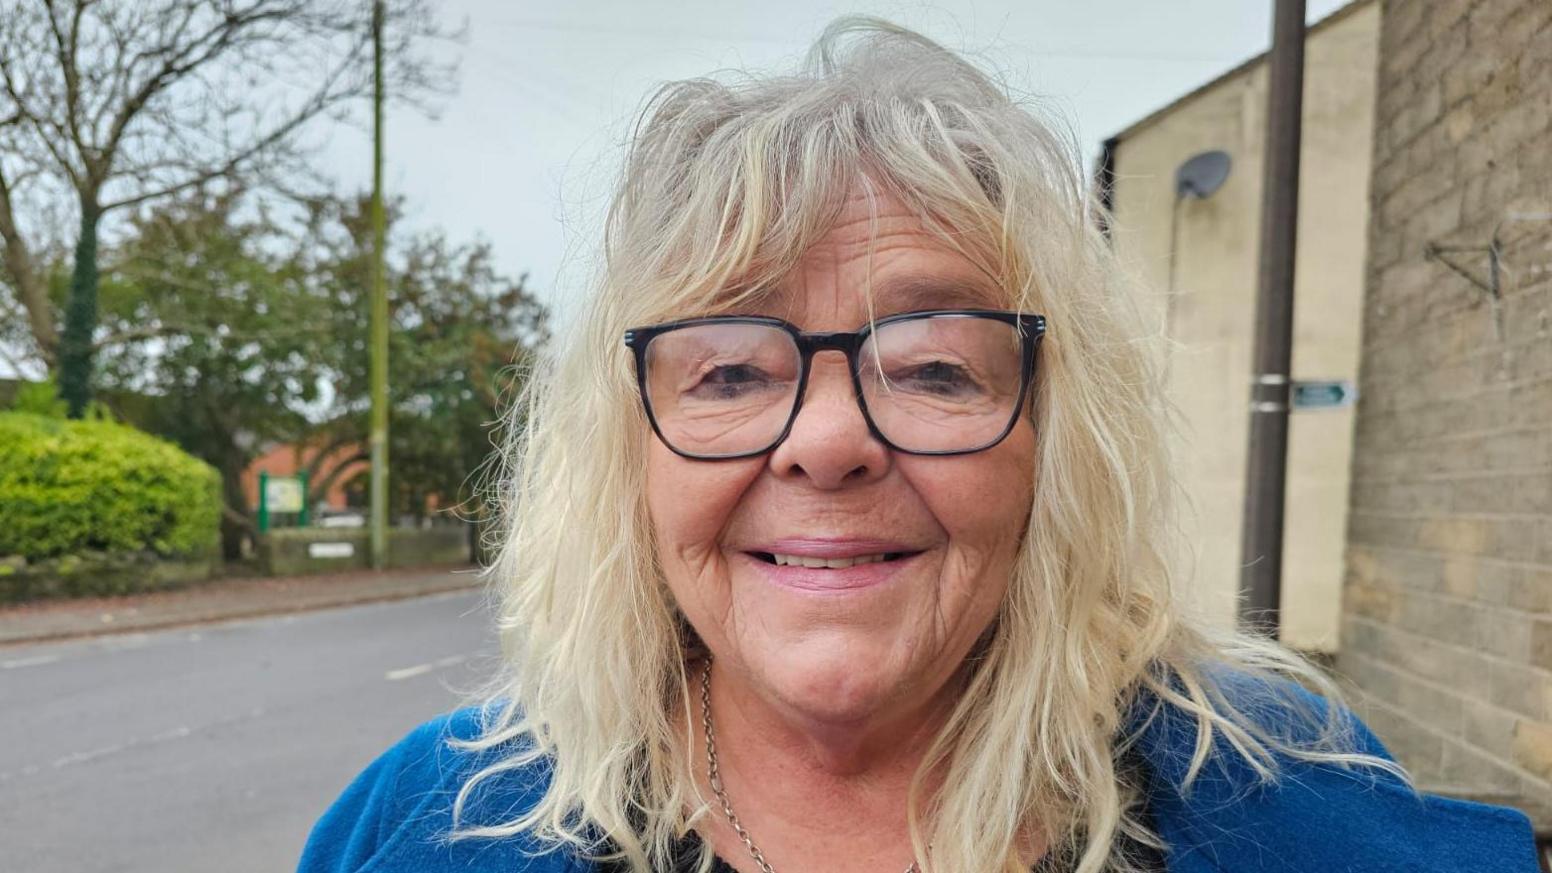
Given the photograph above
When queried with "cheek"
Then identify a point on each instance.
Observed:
(982, 501)
(689, 503)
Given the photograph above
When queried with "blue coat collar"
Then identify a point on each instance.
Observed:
(394, 817)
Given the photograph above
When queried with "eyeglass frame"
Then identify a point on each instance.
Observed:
(1031, 329)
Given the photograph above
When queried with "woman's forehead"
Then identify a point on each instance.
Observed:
(892, 273)
(877, 255)
(902, 291)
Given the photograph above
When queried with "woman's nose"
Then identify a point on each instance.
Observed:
(830, 444)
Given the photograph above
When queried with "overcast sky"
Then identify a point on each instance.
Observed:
(523, 154)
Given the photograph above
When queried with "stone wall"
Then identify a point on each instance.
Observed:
(305, 550)
(100, 574)
(1447, 616)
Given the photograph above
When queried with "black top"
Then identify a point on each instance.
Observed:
(1144, 857)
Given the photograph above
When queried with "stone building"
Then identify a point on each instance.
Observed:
(1200, 255)
(1447, 613)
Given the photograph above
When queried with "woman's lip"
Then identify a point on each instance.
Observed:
(825, 547)
(823, 579)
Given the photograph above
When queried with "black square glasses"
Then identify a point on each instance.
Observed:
(937, 382)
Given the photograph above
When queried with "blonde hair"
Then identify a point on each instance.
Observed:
(725, 187)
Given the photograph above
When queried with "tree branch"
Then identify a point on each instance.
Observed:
(133, 101)
(315, 464)
(65, 52)
(237, 517)
(11, 361)
(30, 288)
(25, 114)
(146, 332)
(226, 168)
(191, 57)
(336, 471)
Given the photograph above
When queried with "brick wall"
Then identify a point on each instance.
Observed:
(1447, 615)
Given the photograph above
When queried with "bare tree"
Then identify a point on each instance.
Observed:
(122, 102)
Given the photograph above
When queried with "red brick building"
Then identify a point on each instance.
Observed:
(340, 472)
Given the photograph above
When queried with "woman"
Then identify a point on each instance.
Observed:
(852, 557)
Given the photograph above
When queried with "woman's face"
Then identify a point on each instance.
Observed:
(847, 645)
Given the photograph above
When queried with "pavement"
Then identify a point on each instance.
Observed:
(222, 600)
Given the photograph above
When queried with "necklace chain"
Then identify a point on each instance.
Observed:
(714, 777)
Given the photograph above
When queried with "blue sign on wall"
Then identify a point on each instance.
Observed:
(1324, 395)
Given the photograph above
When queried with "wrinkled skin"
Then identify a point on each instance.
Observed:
(824, 700)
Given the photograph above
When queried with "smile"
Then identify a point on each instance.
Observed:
(830, 574)
(816, 563)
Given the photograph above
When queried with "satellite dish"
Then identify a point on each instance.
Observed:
(1202, 174)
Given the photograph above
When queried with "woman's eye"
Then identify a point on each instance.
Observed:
(937, 377)
(733, 373)
(732, 380)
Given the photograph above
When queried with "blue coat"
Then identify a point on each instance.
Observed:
(1315, 818)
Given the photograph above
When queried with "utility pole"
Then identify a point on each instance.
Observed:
(379, 437)
(1267, 463)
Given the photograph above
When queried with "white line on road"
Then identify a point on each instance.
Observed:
(177, 733)
(34, 661)
(422, 669)
(29, 770)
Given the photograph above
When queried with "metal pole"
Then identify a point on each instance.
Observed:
(263, 502)
(1266, 465)
(379, 437)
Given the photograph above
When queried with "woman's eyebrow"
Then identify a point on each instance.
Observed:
(911, 293)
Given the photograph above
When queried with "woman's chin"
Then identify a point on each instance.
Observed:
(828, 686)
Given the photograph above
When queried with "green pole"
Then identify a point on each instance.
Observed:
(302, 517)
(263, 501)
(379, 437)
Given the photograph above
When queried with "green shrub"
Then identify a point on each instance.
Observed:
(41, 398)
(74, 486)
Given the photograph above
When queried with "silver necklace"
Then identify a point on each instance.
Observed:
(714, 777)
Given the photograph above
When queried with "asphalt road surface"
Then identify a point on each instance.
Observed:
(215, 748)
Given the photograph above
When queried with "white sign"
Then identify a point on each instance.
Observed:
(283, 495)
(330, 550)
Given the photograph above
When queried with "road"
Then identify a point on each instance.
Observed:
(215, 748)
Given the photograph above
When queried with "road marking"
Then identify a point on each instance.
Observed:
(423, 669)
(29, 770)
(34, 661)
(177, 733)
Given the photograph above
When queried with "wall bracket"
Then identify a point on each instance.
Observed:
(1493, 284)
(1494, 250)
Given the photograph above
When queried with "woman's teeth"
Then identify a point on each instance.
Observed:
(826, 563)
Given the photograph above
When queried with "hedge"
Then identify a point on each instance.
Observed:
(99, 574)
(69, 487)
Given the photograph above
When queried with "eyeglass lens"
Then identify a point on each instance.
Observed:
(937, 384)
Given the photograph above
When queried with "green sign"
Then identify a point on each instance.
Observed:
(284, 494)
(1324, 395)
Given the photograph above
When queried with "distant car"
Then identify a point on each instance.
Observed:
(343, 519)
